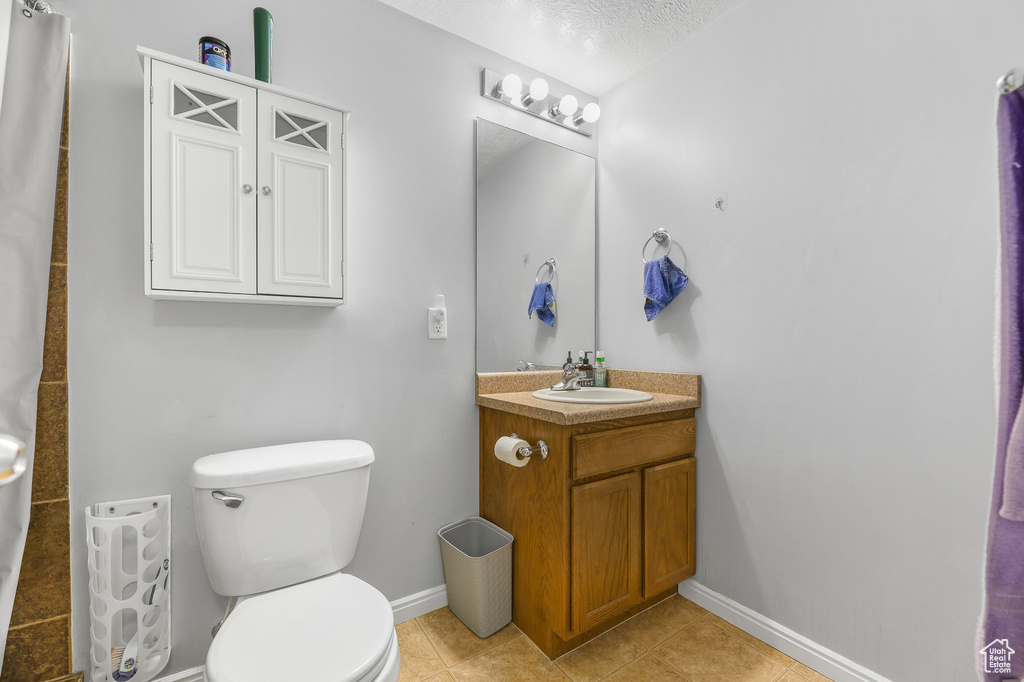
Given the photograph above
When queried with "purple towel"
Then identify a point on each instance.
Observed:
(1002, 624)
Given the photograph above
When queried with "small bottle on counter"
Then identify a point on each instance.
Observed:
(586, 370)
(600, 373)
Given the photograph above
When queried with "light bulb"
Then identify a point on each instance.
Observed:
(510, 86)
(590, 113)
(538, 89)
(565, 107)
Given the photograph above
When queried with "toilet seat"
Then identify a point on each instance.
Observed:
(332, 629)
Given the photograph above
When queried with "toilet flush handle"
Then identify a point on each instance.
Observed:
(232, 500)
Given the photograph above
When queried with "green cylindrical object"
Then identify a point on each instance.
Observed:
(263, 39)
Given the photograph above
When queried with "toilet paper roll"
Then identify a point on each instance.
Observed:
(505, 449)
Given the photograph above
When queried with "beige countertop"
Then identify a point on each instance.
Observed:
(511, 392)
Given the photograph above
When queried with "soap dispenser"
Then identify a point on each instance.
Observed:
(586, 371)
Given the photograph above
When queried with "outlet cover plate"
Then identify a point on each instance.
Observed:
(436, 329)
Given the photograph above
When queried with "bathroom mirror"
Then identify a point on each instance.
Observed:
(534, 201)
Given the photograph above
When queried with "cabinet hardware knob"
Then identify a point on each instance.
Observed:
(266, 191)
(246, 189)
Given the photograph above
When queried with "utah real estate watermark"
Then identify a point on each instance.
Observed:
(996, 656)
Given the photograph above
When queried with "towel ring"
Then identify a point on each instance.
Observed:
(659, 236)
(549, 263)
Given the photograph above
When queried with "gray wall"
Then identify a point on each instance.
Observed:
(840, 309)
(158, 384)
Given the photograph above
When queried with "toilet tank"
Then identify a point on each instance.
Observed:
(275, 516)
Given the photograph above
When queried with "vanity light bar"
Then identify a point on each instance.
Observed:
(534, 98)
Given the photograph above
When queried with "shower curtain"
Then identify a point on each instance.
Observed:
(33, 68)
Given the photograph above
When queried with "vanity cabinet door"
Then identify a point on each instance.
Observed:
(301, 217)
(606, 530)
(670, 525)
(203, 166)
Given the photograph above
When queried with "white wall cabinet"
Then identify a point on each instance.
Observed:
(245, 189)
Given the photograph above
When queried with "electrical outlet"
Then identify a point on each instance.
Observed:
(437, 323)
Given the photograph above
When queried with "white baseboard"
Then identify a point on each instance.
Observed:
(417, 604)
(192, 675)
(405, 609)
(811, 654)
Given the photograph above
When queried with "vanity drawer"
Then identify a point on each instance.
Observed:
(607, 451)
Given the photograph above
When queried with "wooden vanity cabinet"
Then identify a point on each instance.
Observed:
(604, 527)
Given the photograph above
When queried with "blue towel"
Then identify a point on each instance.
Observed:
(543, 301)
(663, 281)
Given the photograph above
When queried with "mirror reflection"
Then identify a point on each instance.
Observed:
(535, 202)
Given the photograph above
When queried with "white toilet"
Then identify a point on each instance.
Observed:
(276, 526)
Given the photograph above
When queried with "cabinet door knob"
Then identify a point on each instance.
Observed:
(246, 189)
(266, 191)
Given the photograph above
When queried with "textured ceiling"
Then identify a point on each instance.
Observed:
(590, 44)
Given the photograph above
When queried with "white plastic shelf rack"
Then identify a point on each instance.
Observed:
(129, 588)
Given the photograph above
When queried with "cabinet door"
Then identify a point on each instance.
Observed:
(670, 525)
(301, 210)
(203, 133)
(605, 549)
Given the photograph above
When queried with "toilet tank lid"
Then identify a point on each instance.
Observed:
(274, 463)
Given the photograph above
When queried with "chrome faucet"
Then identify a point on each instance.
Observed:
(570, 378)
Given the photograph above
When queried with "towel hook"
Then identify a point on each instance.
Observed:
(660, 235)
(1009, 82)
(549, 263)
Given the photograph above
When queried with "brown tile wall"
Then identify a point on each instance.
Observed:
(39, 640)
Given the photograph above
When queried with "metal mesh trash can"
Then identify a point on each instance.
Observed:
(477, 559)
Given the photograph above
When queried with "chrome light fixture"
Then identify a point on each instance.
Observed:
(564, 111)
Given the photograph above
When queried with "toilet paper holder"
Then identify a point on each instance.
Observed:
(541, 448)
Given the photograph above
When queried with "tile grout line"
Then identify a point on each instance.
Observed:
(51, 501)
(672, 667)
(477, 654)
(646, 649)
(643, 652)
(543, 655)
(793, 670)
(755, 650)
(433, 648)
(41, 620)
(699, 618)
(488, 649)
(496, 646)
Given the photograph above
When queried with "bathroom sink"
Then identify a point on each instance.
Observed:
(603, 396)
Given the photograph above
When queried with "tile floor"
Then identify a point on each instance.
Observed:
(674, 640)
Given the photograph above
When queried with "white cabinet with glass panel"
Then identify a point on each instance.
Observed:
(245, 189)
